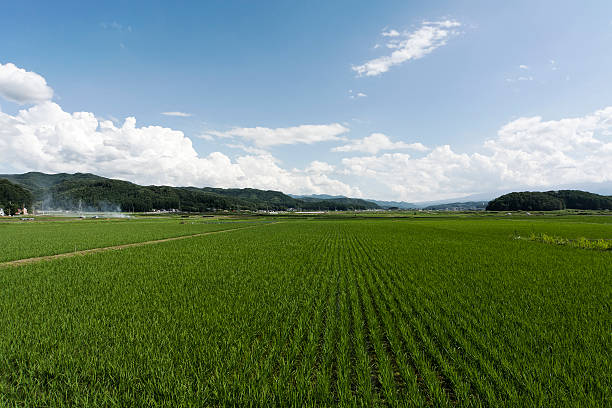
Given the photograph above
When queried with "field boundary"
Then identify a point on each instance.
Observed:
(25, 261)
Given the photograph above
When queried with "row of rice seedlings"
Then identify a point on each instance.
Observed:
(493, 362)
(439, 395)
(515, 373)
(305, 376)
(326, 367)
(343, 353)
(385, 370)
(442, 328)
(446, 340)
(363, 370)
(431, 384)
(464, 330)
(303, 342)
(391, 327)
(491, 351)
(193, 322)
(281, 360)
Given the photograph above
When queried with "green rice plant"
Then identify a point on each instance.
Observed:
(34, 239)
(330, 312)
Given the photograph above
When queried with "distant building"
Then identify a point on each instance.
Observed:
(1, 212)
(21, 211)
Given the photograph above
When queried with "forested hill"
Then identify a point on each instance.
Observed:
(13, 196)
(91, 192)
(550, 200)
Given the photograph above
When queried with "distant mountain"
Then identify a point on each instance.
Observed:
(392, 204)
(461, 206)
(317, 196)
(92, 192)
(338, 201)
(403, 205)
(550, 200)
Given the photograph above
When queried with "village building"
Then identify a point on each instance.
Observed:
(21, 211)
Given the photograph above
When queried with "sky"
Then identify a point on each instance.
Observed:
(388, 100)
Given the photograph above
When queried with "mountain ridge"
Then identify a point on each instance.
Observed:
(93, 192)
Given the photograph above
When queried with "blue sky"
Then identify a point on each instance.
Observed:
(276, 97)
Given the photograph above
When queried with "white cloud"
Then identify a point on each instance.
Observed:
(523, 67)
(265, 137)
(320, 167)
(409, 46)
(46, 138)
(21, 86)
(355, 95)
(179, 114)
(377, 142)
(390, 33)
(527, 153)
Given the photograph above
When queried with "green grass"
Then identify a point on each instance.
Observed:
(367, 312)
(582, 242)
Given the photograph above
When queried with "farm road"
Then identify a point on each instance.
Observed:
(24, 261)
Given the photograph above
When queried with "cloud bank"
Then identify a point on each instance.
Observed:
(526, 153)
(45, 138)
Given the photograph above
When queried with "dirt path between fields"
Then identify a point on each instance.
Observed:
(24, 261)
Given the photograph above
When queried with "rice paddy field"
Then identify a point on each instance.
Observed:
(439, 311)
(20, 240)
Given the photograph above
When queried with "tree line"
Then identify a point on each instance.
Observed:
(550, 201)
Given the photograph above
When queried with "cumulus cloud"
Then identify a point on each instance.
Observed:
(179, 114)
(265, 137)
(21, 86)
(527, 153)
(410, 45)
(46, 138)
(377, 142)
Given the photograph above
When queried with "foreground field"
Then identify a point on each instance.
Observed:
(377, 312)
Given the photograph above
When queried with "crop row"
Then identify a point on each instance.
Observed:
(369, 312)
